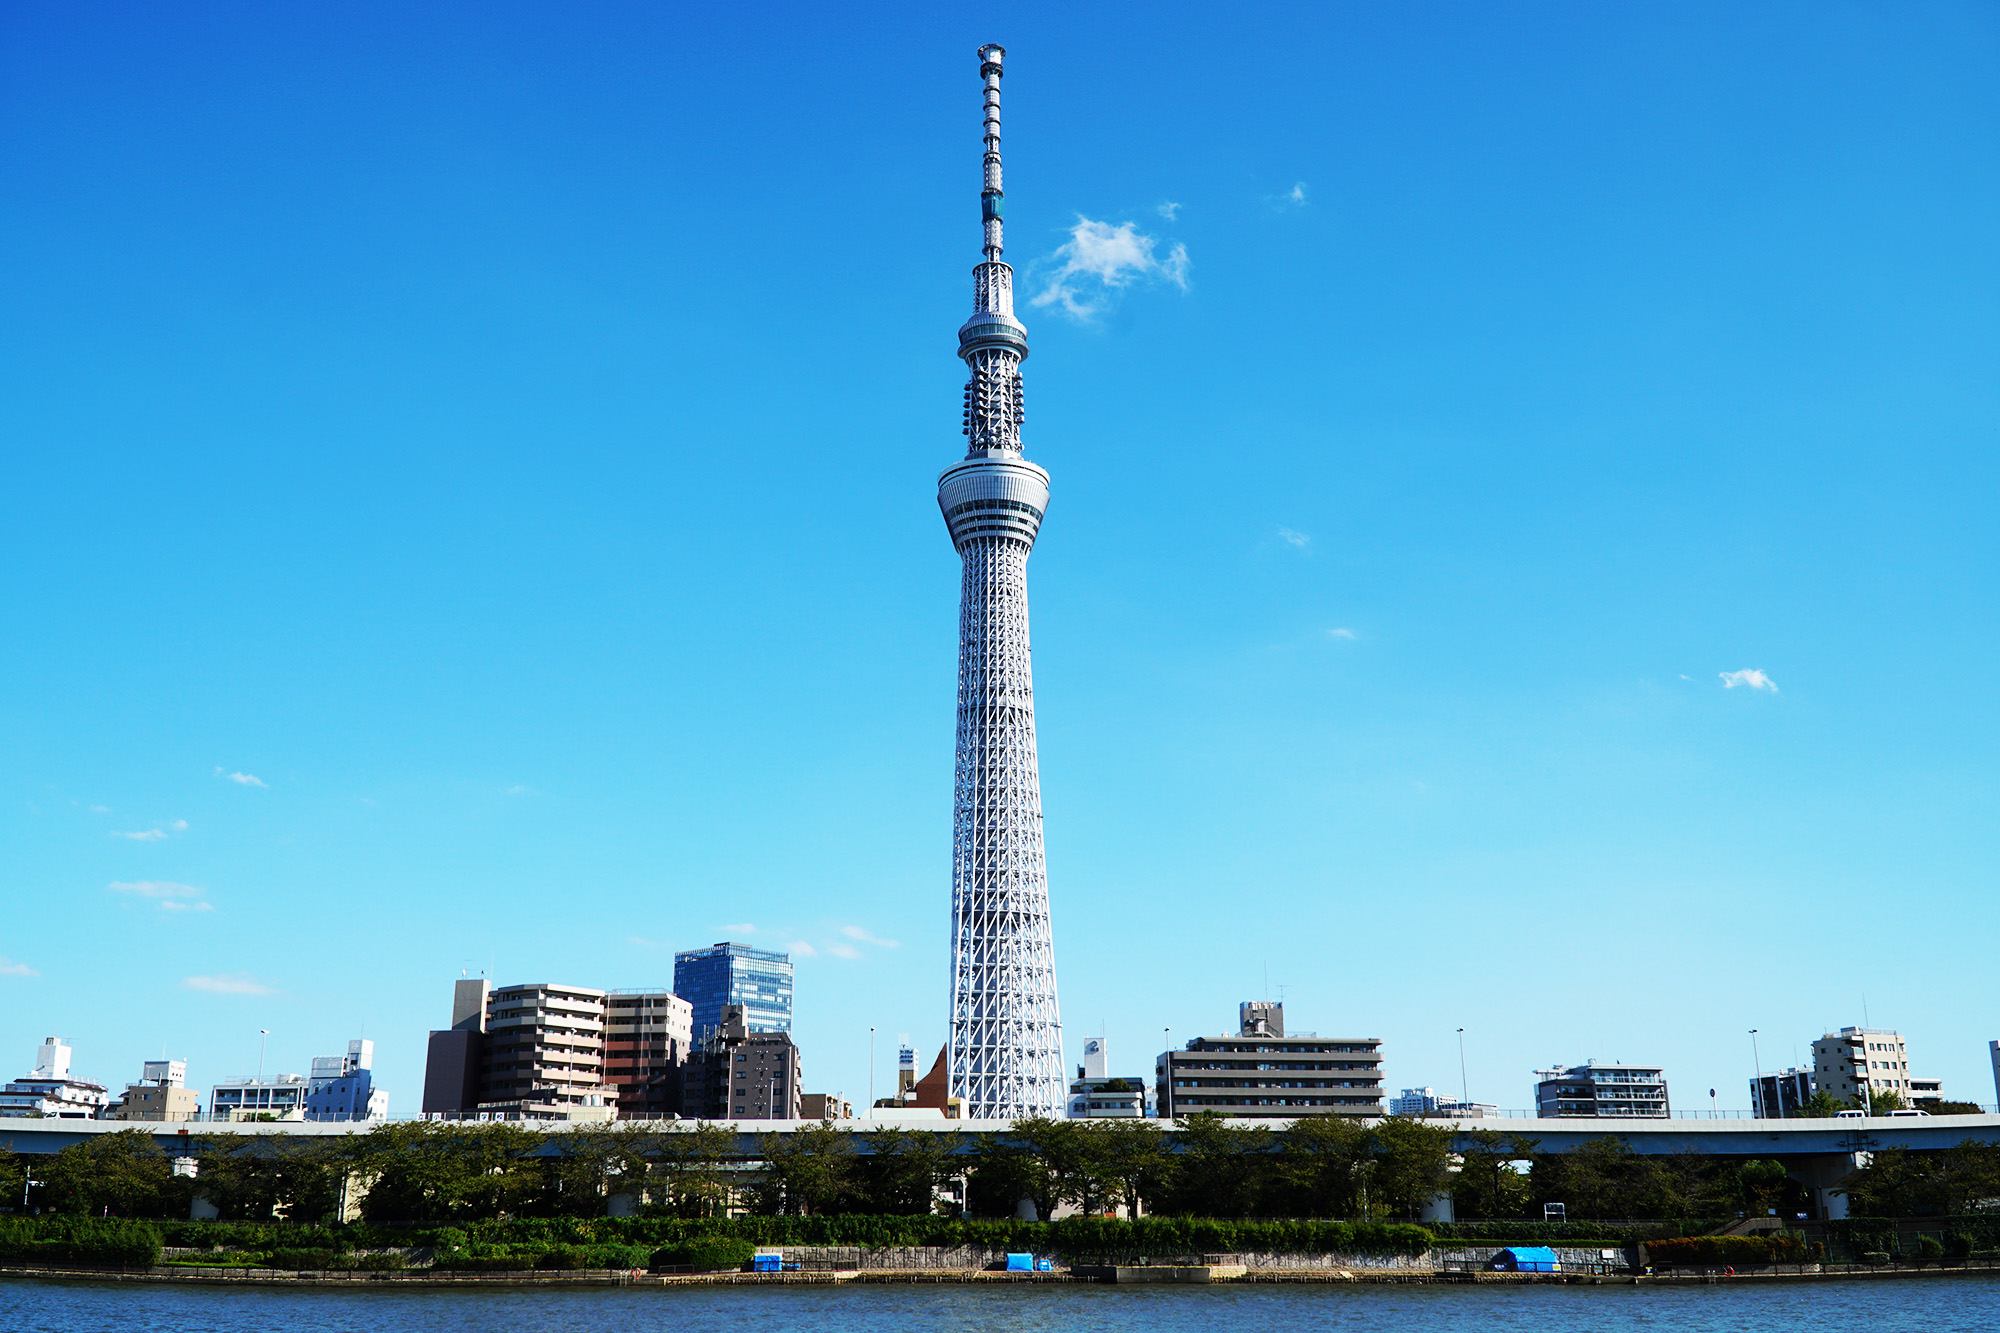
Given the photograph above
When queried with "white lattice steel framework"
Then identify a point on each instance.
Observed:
(1005, 1048)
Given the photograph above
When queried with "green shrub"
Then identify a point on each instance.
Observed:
(1960, 1245)
(301, 1258)
(1875, 1257)
(1726, 1251)
(378, 1263)
(708, 1254)
(1930, 1247)
(94, 1242)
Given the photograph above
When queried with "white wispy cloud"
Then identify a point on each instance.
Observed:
(1296, 196)
(840, 950)
(861, 934)
(1298, 541)
(1340, 633)
(10, 968)
(170, 895)
(157, 833)
(242, 779)
(1170, 211)
(228, 983)
(1754, 678)
(1099, 259)
(802, 949)
(100, 809)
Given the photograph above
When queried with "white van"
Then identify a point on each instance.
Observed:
(1850, 1115)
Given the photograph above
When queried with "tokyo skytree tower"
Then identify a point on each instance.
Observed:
(1005, 1048)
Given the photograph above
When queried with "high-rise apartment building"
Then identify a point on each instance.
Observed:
(1608, 1090)
(1004, 1051)
(757, 980)
(647, 1037)
(1855, 1064)
(1263, 1072)
(737, 1073)
(544, 1047)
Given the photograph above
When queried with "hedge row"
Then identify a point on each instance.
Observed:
(1563, 1233)
(1730, 1251)
(94, 1242)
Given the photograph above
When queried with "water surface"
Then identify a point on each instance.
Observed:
(1953, 1305)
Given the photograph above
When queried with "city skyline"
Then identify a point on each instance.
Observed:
(1524, 524)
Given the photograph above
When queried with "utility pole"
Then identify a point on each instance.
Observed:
(871, 1069)
(1464, 1087)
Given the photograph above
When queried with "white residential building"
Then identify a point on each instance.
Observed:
(280, 1098)
(1094, 1094)
(50, 1091)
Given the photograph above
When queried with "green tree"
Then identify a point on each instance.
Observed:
(1412, 1166)
(1822, 1105)
(1489, 1184)
(1881, 1102)
(1068, 1171)
(1324, 1166)
(1001, 1175)
(443, 1171)
(123, 1174)
(901, 1172)
(808, 1172)
(255, 1177)
(1600, 1180)
(13, 1178)
(579, 1168)
(1131, 1159)
(687, 1176)
(1220, 1170)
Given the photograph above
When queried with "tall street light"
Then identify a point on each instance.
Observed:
(1757, 1063)
(1464, 1088)
(263, 1035)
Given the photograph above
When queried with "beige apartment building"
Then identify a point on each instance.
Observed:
(1855, 1063)
(544, 1047)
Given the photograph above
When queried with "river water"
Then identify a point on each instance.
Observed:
(1951, 1305)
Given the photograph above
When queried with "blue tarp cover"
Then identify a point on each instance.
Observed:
(1020, 1263)
(1528, 1259)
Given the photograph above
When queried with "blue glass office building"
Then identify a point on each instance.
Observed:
(757, 979)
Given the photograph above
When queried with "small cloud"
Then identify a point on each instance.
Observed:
(839, 950)
(518, 790)
(179, 826)
(230, 983)
(247, 780)
(861, 934)
(1687, 678)
(1099, 259)
(1347, 634)
(100, 809)
(740, 928)
(10, 968)
(1296, 196)
(143, 835)
(1298, 541)
(1170, 211)
(1752, 677)
(804, 950)
(171, 896)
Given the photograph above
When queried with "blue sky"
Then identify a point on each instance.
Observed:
(508, 434)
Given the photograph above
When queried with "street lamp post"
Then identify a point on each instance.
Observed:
(1464, 1087)
(1757, 1063)
(871, 1069)
(263, 1035)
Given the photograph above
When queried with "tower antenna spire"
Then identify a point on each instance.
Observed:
(1004, 1051)
(992, 197)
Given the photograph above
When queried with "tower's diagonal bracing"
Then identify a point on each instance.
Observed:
(1005, 1049)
